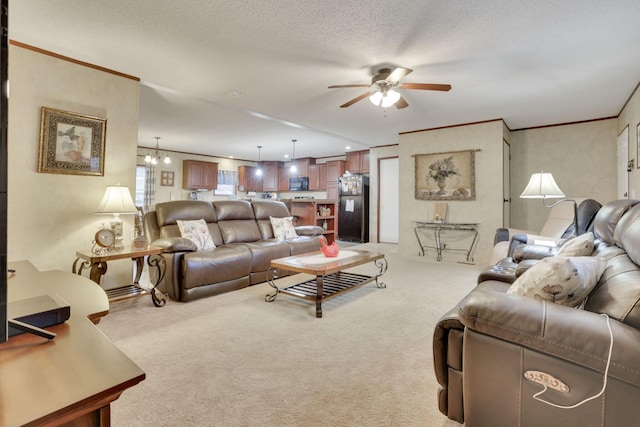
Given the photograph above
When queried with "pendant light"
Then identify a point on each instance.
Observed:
(259, 169)
(154, 159)
(293, 168)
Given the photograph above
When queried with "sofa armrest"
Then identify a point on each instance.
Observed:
(309, 230)
(524, 252)
(175, 244)
(577, 336)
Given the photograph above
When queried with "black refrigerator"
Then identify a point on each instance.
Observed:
(353, 208)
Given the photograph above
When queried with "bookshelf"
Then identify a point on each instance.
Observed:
(317, 212)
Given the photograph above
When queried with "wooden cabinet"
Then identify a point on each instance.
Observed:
(270, 178)
(320, 212)
(358, 162)
(248, 180)
(335, 169)
(199, 175)
(318, 177)
(283, 178)
(303, 166)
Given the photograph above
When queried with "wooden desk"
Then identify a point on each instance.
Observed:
(98, 265)
(72, 378)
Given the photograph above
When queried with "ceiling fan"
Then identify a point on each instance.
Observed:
(383, 88)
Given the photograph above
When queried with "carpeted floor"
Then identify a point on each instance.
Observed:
(236, 360)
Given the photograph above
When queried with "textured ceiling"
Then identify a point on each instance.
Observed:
(532, 63)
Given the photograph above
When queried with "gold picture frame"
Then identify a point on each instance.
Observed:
(445, 176)
(71, 143)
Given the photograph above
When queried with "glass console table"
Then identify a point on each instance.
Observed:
(424, 229)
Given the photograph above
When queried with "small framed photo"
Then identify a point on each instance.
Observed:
(166, 178)
(71, 143)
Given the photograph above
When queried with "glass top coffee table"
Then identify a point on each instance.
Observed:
(331, 279)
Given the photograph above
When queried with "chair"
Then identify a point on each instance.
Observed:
(559, 225)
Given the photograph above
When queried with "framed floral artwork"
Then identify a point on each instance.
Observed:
(445, 176)
(166, 178)
(71, 143)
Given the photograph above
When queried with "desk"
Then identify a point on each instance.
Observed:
(98, 265)
(73, 378)
(423, 228)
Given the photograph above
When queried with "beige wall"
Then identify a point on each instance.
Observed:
(486, 209)
(581, 157)
(51, 216)
(630, 116)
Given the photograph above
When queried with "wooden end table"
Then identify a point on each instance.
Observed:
(98, 265)
(330, 280)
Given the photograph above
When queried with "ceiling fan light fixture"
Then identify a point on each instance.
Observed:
(384, 98)
(376, 98)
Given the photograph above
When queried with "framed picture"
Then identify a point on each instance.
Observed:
(445, 176)
(71, 143)
(166, 178)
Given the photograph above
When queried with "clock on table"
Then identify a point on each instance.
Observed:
(105, 240)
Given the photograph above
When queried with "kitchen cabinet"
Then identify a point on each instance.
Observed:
(283, 178)
(335, 169)
(248, 180)
(303, 166)
(318, 177)
(358, 162)
(270, 176)
(199, 175)
(320, 212)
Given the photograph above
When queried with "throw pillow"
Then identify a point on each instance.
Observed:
(198, 232)
(283, 228)
(578, 246)
(563, 280)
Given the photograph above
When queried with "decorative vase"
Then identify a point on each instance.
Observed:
(441, 186)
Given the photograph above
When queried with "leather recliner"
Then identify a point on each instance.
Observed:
(489, 346)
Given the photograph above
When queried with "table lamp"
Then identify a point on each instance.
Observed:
(542, 186)
(117, 201)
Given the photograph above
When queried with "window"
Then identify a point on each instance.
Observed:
(227, 183)
(141, 181)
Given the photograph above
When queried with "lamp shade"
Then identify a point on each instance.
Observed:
(542, 186)
(116, 200)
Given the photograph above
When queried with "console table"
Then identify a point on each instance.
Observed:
(98, 265)
(423, 229)
(72, 379)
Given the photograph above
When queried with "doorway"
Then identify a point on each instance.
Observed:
(389, 200)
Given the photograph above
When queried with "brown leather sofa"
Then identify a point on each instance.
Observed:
(488, 346)
(244, 240)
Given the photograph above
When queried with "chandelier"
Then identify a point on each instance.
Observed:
(156, 156)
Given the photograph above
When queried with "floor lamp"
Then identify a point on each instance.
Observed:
(543, 186)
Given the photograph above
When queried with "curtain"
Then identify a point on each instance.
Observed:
(150, 187)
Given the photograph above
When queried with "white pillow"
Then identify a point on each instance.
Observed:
(578, 246)
(563, 280)
(283, 228)
(198, 232)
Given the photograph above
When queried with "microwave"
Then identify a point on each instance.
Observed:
(299, 183)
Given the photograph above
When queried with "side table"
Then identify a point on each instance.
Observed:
(440, 246)
(98, 265)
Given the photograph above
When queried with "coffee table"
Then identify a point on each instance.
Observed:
(331, 279)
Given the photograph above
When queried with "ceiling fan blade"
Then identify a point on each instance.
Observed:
(425, 86)
(354, 100)
(402, 103)
(339, 86)
(397, 74)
